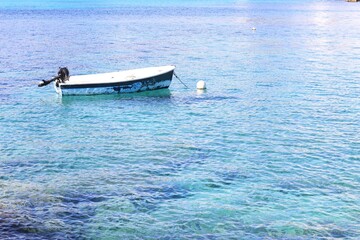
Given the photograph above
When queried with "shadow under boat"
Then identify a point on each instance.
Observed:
(164, 93)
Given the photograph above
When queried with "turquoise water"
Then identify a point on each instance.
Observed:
(270, 151)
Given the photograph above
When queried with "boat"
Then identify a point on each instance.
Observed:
(129, 81)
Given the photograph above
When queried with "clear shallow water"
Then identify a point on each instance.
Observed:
(270, 150)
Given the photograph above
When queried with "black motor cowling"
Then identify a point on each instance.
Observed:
(63, 74)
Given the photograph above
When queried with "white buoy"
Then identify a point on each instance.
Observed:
(254, 29)
(201, 85)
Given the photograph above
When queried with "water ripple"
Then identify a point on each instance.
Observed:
(269, 151)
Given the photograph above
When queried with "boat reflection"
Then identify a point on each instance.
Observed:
(147, 95)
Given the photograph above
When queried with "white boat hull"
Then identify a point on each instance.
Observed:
(130, 81)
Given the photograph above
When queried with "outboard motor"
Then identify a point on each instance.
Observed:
(63, 74)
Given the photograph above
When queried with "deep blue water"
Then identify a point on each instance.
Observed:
(270, 151)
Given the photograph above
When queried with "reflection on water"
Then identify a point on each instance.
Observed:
(155, 94)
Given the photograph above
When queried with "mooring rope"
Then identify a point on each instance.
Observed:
(180, 80)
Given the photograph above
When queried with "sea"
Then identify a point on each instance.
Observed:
(270, 150)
